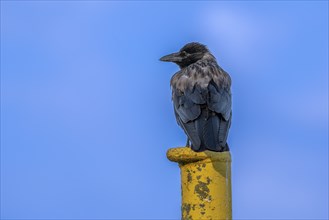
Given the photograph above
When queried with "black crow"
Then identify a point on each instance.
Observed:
(201, 96)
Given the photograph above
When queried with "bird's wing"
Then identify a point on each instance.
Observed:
(220, 100)
(189, 129)
(187, 103)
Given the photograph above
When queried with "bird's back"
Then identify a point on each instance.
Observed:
(202, 103)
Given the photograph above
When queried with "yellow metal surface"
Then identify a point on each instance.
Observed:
(206, 183)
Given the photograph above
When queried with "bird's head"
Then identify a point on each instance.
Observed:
(190, 53)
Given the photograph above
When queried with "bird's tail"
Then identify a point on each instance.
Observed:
(212, 130)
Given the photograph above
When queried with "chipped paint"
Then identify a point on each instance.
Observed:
(202, 190)
(205, 183)
(189, 177)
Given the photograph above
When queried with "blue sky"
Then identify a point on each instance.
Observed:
(86, 112)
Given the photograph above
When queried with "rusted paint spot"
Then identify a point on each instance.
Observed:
(189, 177)
(204, 165)
(202, 205)
(208, 180)
(186, 208)
(202, 190)
(202, 213)
(198, 177)
(199, 167)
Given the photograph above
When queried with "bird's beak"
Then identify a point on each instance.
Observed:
(174, 57)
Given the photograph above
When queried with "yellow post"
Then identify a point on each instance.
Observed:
(205, 183)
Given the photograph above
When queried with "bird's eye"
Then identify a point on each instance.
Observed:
(183, 53)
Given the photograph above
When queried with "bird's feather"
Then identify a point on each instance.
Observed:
(190, 131)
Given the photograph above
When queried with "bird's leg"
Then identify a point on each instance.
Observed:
(188, 142)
